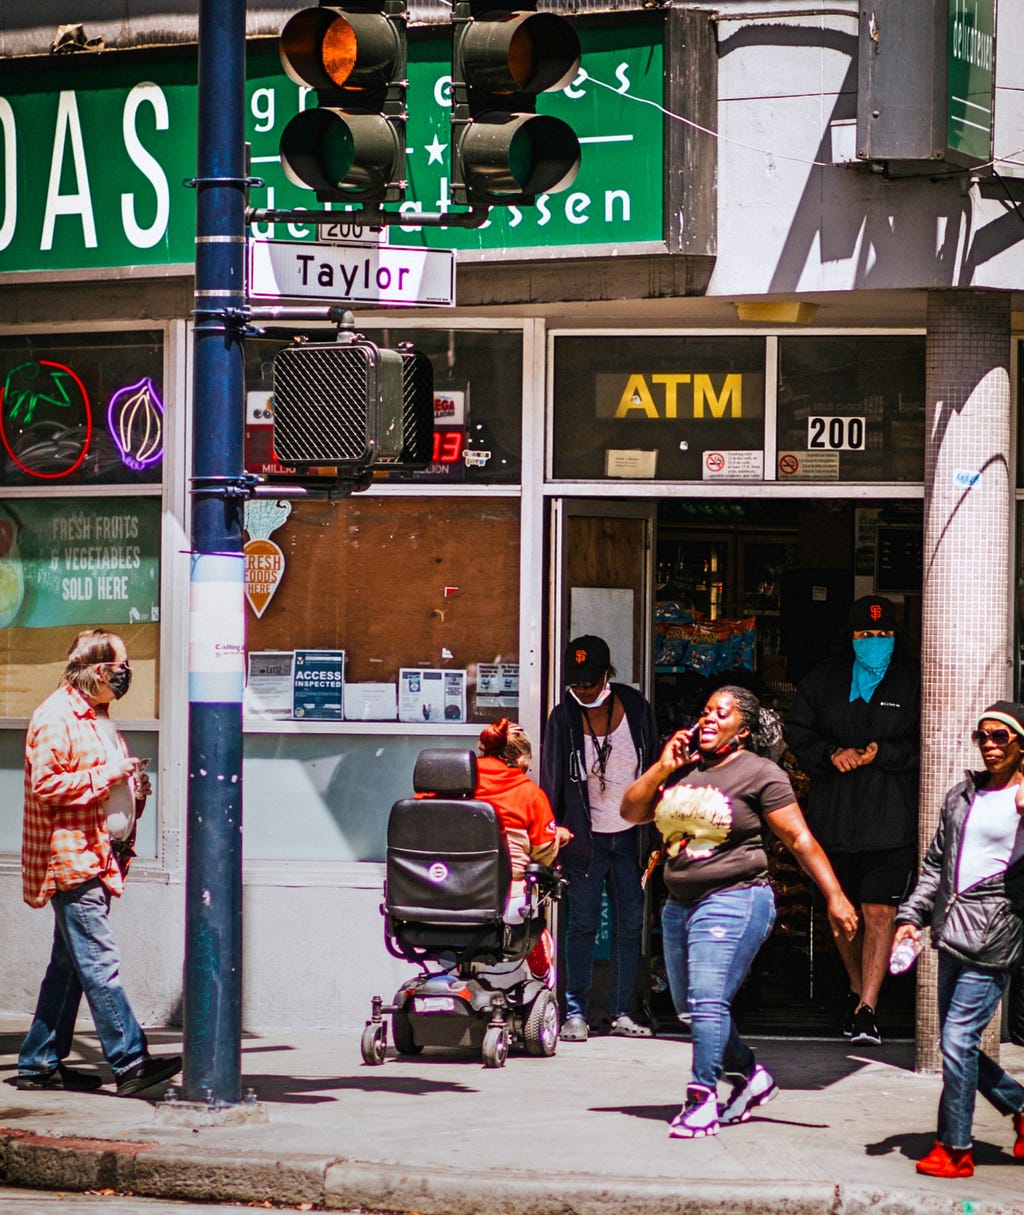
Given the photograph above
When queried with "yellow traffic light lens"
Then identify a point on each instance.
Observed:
(339, 50)
(520, 57)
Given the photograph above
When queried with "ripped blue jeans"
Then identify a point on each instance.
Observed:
(709, 949)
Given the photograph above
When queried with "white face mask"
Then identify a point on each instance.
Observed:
(599, 699)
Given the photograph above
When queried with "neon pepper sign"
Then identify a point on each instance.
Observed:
(44, 386)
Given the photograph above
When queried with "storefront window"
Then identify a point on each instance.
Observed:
(665, 408)
(851, 408)
(383, 609)
(478, 403)
(81, 409)
(68, 564)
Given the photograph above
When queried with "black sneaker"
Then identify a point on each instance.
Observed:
(852, 1001)
(61, 1079)
(865, 1031)
(147, 1073)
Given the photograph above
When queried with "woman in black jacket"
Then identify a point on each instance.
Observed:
(969, 892)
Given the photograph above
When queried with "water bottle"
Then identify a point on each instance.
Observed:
(904, 955)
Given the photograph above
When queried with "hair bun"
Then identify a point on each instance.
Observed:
(494, 738)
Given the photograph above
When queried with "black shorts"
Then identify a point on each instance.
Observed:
(875, 877)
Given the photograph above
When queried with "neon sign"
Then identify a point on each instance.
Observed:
(135, 417)
(54, 438)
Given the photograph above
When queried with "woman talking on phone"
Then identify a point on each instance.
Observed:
(711, 794)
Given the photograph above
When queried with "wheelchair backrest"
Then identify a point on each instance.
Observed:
(447, 859)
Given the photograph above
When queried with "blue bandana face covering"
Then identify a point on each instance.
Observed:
(871, 657)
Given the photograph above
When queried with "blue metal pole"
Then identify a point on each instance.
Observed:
(213, 910)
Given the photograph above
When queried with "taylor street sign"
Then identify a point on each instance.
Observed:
(356, 273)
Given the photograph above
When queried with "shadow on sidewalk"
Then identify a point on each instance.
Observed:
(314, 1090)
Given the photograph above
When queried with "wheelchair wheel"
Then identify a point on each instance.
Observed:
(495, 1047)
(540, 1031)
(374, 1043)
(401, 1033)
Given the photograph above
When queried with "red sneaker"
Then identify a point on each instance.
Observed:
(1018, 1130)
(942, 1161)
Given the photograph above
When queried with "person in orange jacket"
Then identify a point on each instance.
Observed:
(525, 814)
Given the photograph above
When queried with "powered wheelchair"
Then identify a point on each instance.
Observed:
(447, 908)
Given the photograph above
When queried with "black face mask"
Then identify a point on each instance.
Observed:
(119, 681)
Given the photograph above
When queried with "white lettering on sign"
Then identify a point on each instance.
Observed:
(971, 45)
(836, 434)
(68, 131)
(8, 131)
(69, 164)
(147, 164)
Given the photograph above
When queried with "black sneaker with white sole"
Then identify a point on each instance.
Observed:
(865, 1030)
(852, 1003)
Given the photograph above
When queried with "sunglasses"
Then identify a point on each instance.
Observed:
(1000, 737)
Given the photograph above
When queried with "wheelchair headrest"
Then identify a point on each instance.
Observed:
(447, 772)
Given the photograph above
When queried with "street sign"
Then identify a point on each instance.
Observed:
(356, 273)
(352, 232)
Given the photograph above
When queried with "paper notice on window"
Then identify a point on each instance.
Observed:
(622, 462)
(497, 685)
(319, 684)
(371, 701)
(268, 685)
(431, 695)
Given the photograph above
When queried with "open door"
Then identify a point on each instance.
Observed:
(602, 584)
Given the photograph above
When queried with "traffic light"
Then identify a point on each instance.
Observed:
(503, 55)
(351, 146)
(417, 411)
(340, 404)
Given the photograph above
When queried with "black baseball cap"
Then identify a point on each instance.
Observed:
(586, 660)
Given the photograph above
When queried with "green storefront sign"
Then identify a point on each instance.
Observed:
(970, 58)
(94, 157)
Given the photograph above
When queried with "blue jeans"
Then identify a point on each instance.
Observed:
(614, 862)
(968, 997)
(85, 958)
(709, 948)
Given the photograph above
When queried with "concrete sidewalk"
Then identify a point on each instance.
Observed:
(582, 1133)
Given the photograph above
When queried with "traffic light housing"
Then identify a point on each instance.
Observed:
(350, 148)
(417, 411)
(503, 56)
(340, 403)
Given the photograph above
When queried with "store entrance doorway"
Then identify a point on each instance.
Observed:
(755, 592)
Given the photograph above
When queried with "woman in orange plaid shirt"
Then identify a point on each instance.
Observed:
(83, 793)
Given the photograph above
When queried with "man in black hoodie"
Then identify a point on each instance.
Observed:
(597, 741)
(854, 728)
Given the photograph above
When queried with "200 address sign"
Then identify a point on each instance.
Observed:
(835, 434)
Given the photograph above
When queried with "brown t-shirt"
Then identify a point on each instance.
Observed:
(711, 820)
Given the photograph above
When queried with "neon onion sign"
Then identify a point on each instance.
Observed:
(135, 417)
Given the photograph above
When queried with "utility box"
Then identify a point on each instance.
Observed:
(926, 81)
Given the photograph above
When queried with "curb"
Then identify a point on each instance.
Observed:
(445, 1192)
(151, 1169)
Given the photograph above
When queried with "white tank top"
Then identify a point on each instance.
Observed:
(120, 802)
(619, 773)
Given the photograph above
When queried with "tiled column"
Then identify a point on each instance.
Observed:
(966, 644)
